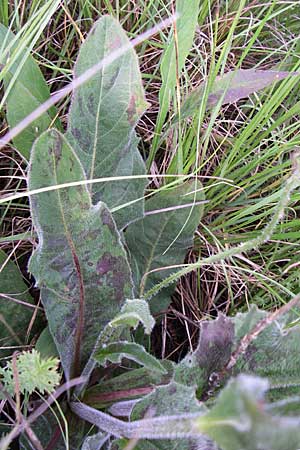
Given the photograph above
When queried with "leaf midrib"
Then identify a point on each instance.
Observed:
(97, 121)
(151, 257)
(75, 368)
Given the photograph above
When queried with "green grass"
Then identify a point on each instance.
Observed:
(241, 152)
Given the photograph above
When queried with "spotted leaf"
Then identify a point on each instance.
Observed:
(111, 103)
(80, 264)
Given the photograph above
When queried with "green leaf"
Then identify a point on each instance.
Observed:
(116, 351)
(274, 353)
(57, 429)
(95, 442)
(231, 87)
(173, 398)
(132, 313)
(167, 400)
(173, 60)
(122, 444)
(162, 238)
(174, 444)
(240, 419)
(80, 264)
(211, 355)
(16, 306)
(4, 13)
(245, 322)
(172, 63)
(102, 118)
(27, 89)
(45, 344)
(129, 385)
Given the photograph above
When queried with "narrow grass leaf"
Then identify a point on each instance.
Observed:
(173, 61)
(291, 185)
(4, 13)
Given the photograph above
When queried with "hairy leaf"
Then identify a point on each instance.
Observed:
(116, 351)
(163, 427)
(123, 408)
(27, 90)
(95, 442)
(245, 322)
(165, 401)
(121, 444)
(130, 385)
(80, 264)
(231, 87)
(16, 306)
(178, 444)
(211, 355)
(274, 353)
(103, 114)
(132, 313)
(163, 237)
(240, 421)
